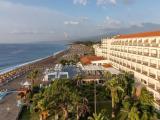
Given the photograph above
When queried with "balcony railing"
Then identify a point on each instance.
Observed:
(129, 51)
(146, 44)
(138, 70)
(154, 44)
(153, 55)
(128, 66)
(146, 54)
(144, 72)
(152, 86)
(145, 63)
(140, 44)
(139, 53)
(139, 61)
(134, 60)
(134, 52)
(133, 68)
(152, 75)
(128, 58)
(153, 65)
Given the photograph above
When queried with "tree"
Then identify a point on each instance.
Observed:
(114, 88)
(96, 116)
(107, 75)
(124, 111)
(78, 79)
(33, 75)
(61, 99)
(134, 113)
(146, 98)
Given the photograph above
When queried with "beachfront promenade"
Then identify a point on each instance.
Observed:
(8, 105)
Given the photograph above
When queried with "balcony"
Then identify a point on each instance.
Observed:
(139, 61)
(154, 44)
(128, 58)
(133, 60)
(152, 86)
(139, 53)
(134, 44)
(138, 70)
(145, 63)
(133, 68)
(146, 44)
(124, 64)
(128, 66)
(144, 72)
(152, 75)
(153, 55)
(129, 51)
(146, 53)
(140, 44)
(153, 65)
(134, 52)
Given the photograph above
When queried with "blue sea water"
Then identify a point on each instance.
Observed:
(15, 54)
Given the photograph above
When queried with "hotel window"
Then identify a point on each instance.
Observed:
(145, 61)
(144, 71)
(153, 63)
(152, 74)
(153, 53)
(146, 52)
(140, 51)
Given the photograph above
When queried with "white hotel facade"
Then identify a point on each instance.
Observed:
(138, 53)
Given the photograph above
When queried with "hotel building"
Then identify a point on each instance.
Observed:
(138, 53)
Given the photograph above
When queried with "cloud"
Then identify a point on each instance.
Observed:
(110, 23)
(81, 2)
(104, 2)
(71, 22)
(24, 23)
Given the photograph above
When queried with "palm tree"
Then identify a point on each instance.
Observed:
(33, 75)
(61, 97)
(82, 109)
(107, 75)
(146, 98)
(134, 113)
(114, 88)
(124, 111)
(78, 79)
(96, 116)
(42, 105)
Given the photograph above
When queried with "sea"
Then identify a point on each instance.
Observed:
(12, 55)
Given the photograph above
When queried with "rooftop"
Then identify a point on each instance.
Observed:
(138, 35)
(88, 59)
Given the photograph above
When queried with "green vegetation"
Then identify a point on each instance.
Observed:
(87, 43)
(33, 75)
(71, 100)
(67, 62)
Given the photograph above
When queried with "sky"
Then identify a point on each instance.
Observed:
(27, 21)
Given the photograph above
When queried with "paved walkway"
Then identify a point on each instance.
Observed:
(8, 106)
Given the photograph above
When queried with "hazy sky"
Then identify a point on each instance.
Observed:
(54, 20)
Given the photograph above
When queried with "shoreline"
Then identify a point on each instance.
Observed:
(8, 69)
(14, 72)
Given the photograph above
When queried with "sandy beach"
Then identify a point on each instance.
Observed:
(8, 106)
